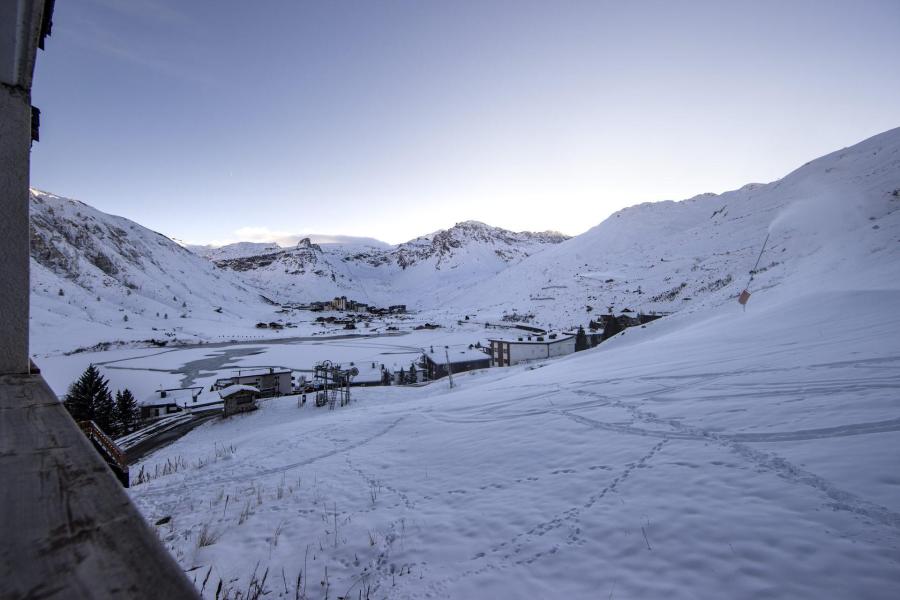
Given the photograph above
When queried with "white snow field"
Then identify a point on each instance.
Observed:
(712, 454)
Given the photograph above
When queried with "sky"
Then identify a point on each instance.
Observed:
(227, 120)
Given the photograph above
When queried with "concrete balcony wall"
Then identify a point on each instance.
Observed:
(69, 529)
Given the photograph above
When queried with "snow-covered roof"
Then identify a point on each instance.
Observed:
(255, 373)
(367, 373)
(233, 389)
(457, 355)
(174, 396)
(523, 339)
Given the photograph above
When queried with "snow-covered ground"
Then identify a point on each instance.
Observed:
(744, 455)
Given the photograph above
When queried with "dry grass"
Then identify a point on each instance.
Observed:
(207, 536)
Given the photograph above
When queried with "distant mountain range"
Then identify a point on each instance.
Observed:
(248, 248)
(418, 272)
(89, 267)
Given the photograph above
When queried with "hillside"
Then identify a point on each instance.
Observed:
(697, 253)
(102, 278)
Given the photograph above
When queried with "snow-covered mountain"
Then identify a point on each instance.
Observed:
(235, 250)
(414, 273)
(96, 269)
(668, 256)
(654, 257)
(241, 249)
(98, 277)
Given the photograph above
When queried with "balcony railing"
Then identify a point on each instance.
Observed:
(69, 529)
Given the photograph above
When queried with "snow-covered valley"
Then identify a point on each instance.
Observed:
(717, 452)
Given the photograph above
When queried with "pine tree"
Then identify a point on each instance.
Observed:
(89, 399)
(105, 413)
(412, 372)
(581, 342)
(127, 412)
(402, 376)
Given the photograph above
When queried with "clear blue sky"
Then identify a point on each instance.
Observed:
(213, 121)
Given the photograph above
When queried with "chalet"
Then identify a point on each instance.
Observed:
(396, 309)
(460, 360)
(369, 375)
(512, 351)
(164, 402)
(268, 382)
(239, 398)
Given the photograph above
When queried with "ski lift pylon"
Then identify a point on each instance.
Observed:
(744, 296)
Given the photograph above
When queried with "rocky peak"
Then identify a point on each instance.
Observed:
(306, 244)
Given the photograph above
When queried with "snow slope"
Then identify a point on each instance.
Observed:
(670, 256)
(717, 453)
(97, 278)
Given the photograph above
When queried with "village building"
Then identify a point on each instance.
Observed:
(369, 374)
(268, 382)
(339, 303)
(460, 360)
(512, 351)
(239, 398)
(165, 402)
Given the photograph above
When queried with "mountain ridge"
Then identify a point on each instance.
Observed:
(665, 256)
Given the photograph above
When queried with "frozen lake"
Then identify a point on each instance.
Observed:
(144, 370)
